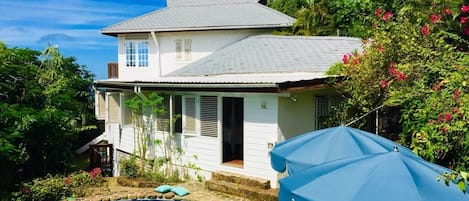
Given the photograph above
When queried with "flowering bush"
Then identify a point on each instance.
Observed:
(58, 187)
(416, 61)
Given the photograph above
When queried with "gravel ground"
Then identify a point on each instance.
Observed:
(197, 190)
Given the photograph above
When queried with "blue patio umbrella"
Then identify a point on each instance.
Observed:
(316, 147)
(388, 176)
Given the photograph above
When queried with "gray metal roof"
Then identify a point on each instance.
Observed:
(223, 15)
(173, 3)
(273, 54)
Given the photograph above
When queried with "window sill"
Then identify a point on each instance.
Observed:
(190, 134)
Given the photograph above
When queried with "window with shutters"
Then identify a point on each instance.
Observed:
(209, 116)
(136, 53)
(183, 50)
(114, 108)
(324, 106)
(189, 117)
(101, 105)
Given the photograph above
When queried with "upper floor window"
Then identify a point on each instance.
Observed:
(183, 50)
(136, 53)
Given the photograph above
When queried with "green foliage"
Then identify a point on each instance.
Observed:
(289, 7)
(166, 164)
(129, 167)
(45, 101)
(58, 187)
(414, 62)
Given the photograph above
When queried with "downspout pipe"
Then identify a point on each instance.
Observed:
(158, 52)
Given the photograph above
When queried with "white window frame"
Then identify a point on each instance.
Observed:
(197, 115)
(139, 57)
(183, 50)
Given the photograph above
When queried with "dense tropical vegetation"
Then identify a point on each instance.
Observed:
(45, 104)
(414, 62)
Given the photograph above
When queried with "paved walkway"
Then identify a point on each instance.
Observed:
(197, 190)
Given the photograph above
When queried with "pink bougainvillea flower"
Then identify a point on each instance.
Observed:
(456, 109)
(356, 60)
(401, 76)
(463, 20)
(345, 59)
(383, 83)
(378, 11)
(464, 8)
(456, 94)
(387, 16)
(447, 117)
(425, 30)
(466, 31)
(68, 180)
(437, 86)
(95, 172)
(440, 118)
(26, 190)
(380, 49)
(434, 18)
(392, 70)
(447, 11)
(443, 129)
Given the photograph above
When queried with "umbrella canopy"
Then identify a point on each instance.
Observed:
(385, 177)
(316, 147)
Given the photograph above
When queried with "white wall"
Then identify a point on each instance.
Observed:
(295, 115)
(164, 53)
(203, 44)
(260, 130)
(138, 73)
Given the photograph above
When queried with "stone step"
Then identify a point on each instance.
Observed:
(241, 179)
(249, 192)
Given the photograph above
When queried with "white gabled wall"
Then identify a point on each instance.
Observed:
(203, 44)
(162, 51)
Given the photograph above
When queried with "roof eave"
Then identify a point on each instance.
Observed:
(281, 87)
(204, 28)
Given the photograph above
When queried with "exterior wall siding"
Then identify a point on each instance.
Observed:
(260, 131)
(162, 54)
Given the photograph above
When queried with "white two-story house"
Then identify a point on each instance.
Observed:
(238, 89)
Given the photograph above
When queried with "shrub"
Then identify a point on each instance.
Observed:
(129, 167)
(58, 187)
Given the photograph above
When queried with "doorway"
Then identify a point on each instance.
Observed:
(233, 121)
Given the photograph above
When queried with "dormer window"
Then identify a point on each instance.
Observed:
(136, 53)
(183, 50)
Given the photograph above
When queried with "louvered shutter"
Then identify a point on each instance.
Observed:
(178, 49)
(209, 116)
(187, 49)
(189, 114)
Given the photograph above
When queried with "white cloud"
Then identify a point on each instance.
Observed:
(26, 22)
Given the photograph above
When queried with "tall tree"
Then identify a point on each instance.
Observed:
(45, 101)
(289, 7)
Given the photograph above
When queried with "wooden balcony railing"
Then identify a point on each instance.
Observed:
(112, 71)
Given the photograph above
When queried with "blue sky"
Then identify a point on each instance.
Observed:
(73, 25)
